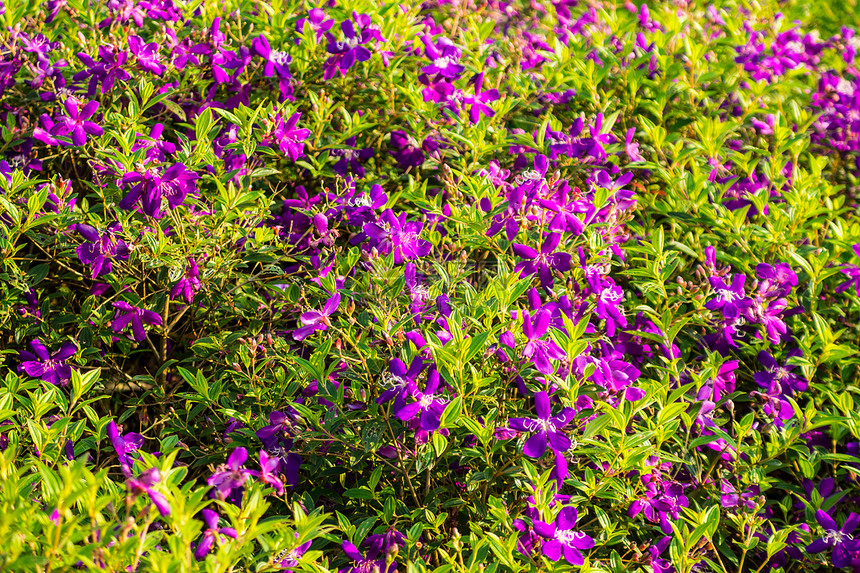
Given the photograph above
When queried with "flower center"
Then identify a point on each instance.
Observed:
(348, 43)
(530, 175)
(443, 62)
(567, 536)
(836, 537)
(279, 57)
(727, 295)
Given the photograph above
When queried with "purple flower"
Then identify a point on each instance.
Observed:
(123, 445)
(143, 485)
(147, 55)
(775, 280)
(289, 139)
(543, 262)
(779, 377)
(276, 60)
(189, 284)
(150, 186)
(427, 406)
(393, 233)
(291, 558)
(731, 299)
(101, 250)
(350, 159)
(400, 379)
(77, 122)
(840, 540)
(278, 439)
(631, 148)
(316, 21)
(268, 467)
(608, 305)
(546, 428)
(231, 475)
(478, 102)
(540, 352)
(51, 368)
(212, 532)
(126, 314)
(663, 501)
(853, 274)
(315, 320)
(373, 561)
(444, 58)
(407, 151)
(562, 539)
(350, 50)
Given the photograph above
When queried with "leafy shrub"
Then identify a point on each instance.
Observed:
(429, 287)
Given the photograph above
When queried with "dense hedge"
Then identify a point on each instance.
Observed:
(445, 286)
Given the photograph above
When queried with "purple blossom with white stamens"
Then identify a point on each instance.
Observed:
(127, 314)
(231, 475)
(444, 58)
(100, 251)
(544, 262)
(561, 539)
(840, 540)
(427, 407)
(51, 368)
(546, 428)
(731, 299)
(538, 351)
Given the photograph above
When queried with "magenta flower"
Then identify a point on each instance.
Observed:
(101, 250)
(544, 262)
(268, 466)
(77, 122)
(316, 22)
(231, 475)
(211, 533)
(839, 539)
(779, 377)
(147, 55)
(853, 274)
(730, 298)
(350, 50)
(427, 406)
(288, 138)
(395, 233)
(51, 368)
(189, 284)
(143, 485)
(150, 186)
(137, 317)
(317, 319)
(562, 539)
(546, 428)
(123, 445)
(276, 60)
(540, 352)
(444, 58)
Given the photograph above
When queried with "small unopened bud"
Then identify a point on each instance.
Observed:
(236, 367)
